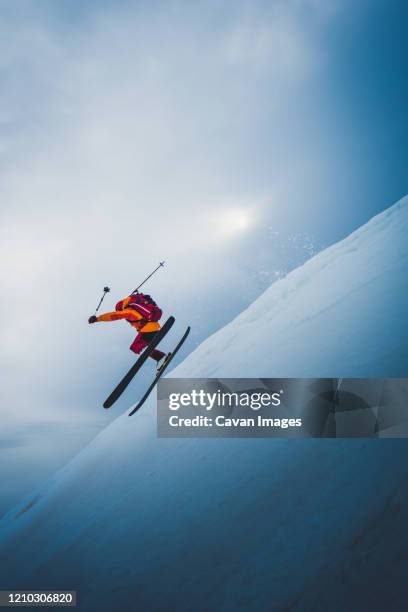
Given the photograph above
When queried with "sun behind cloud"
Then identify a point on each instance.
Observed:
(231, 222)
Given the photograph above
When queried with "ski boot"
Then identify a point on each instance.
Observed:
(163, 362)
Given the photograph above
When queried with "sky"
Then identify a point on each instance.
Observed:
(231, 139)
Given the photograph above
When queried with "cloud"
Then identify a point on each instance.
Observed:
(11, 443)
(129, 136)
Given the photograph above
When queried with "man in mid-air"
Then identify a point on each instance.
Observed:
(142, 312)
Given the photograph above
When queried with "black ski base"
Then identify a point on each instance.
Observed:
(119, 389)
(160, 373)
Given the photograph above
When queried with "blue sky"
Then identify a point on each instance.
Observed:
(233, 139)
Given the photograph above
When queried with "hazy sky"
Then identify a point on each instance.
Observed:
(232, 139)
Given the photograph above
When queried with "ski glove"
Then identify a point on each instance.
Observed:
(92, 319)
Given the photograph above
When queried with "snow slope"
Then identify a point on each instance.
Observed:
(227, 524)
(343, 313)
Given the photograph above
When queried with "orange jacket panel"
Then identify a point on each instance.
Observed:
(133, 317)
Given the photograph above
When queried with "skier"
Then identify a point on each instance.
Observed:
(142, 312)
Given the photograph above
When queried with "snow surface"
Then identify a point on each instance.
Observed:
(229, 524)
(343, 313)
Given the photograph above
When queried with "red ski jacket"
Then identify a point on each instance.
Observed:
(139, 310)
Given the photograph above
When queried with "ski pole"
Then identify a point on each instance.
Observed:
(105, 291)
(161, 264)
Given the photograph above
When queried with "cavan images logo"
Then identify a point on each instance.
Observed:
(288, 407)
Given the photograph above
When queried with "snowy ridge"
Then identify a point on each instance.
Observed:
(208, 519)
(330, 293)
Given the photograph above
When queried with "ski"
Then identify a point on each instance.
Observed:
(119, 389)
(160, 372)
